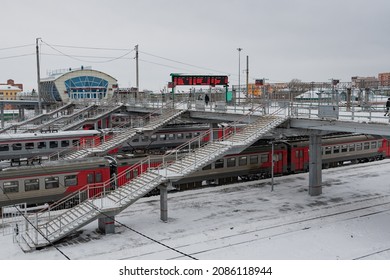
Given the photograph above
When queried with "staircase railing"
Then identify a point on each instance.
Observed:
(157, 166)
(92, 143)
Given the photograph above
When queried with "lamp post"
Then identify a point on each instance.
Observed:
(38, 77)
(239, 73)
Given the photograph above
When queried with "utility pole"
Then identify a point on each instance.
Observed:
(239, 73)
(136, 70)
(38, 78)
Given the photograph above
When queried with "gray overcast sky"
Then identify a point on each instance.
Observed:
(310, 40)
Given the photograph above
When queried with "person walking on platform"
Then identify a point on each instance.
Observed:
(387, 107)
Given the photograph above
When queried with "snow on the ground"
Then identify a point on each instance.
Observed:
(246, 221)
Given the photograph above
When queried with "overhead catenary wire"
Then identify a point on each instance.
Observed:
(82, 60)
(16, 56)
(16, 47)
(188, 64)
(87, 56)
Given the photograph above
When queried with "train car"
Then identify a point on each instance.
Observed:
(172, 136)
(37, 184)
(16, 147)
(337, 150)
(168, 137)
(41, 184)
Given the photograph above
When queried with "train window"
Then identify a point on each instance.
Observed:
(351, 147)
(328, 150)
(254, 159)
(243, 161)
(65, 143)
(128, 175)
(75, 143)
(153, 137)
(41, 145)
(264, 158)
(90, 178)
(366, 145)
(180, 136)
(189, 135)
(171, 136)
(163, 137)
(336, 149)
(11, 187)
(145, 138)
(219, 163)
(31, 185)
(299, 154)
(207, 167)
(196, 134)
(53, 144)
(4, 148)
(135, 140)
(98, 177)
(344, 148)
(135, 173)
(231, 162)
(29, 146)
(16, 147)
(359, 147)
(52, 182)
(373, 145)
(70, 180)
(379, 144)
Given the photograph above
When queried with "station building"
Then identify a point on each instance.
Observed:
(82, 83)
(9, 91)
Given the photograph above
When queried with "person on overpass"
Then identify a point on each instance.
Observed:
(387, 106)
(207, 99)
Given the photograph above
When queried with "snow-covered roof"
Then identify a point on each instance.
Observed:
(8, 87)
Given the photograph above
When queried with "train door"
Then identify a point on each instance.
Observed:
(299, 159)
(94, 177)
(278, 162)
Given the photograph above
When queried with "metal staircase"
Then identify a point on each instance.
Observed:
(38, 120)
(111, 197)
(99, 113)
(63, 121)
(122, 136)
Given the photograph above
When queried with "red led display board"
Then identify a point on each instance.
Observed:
(199, 80)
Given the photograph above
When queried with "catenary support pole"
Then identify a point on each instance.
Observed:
(38, 79)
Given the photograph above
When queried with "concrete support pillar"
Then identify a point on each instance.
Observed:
(315, 165)
(164, 202)
(107, 224)
(349, 94)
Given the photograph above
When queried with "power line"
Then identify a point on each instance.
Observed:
(75, 58)
(15, 56)
(164, 65)
(176, 61)
(16, 47)
(91, 48)
(88, 56)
